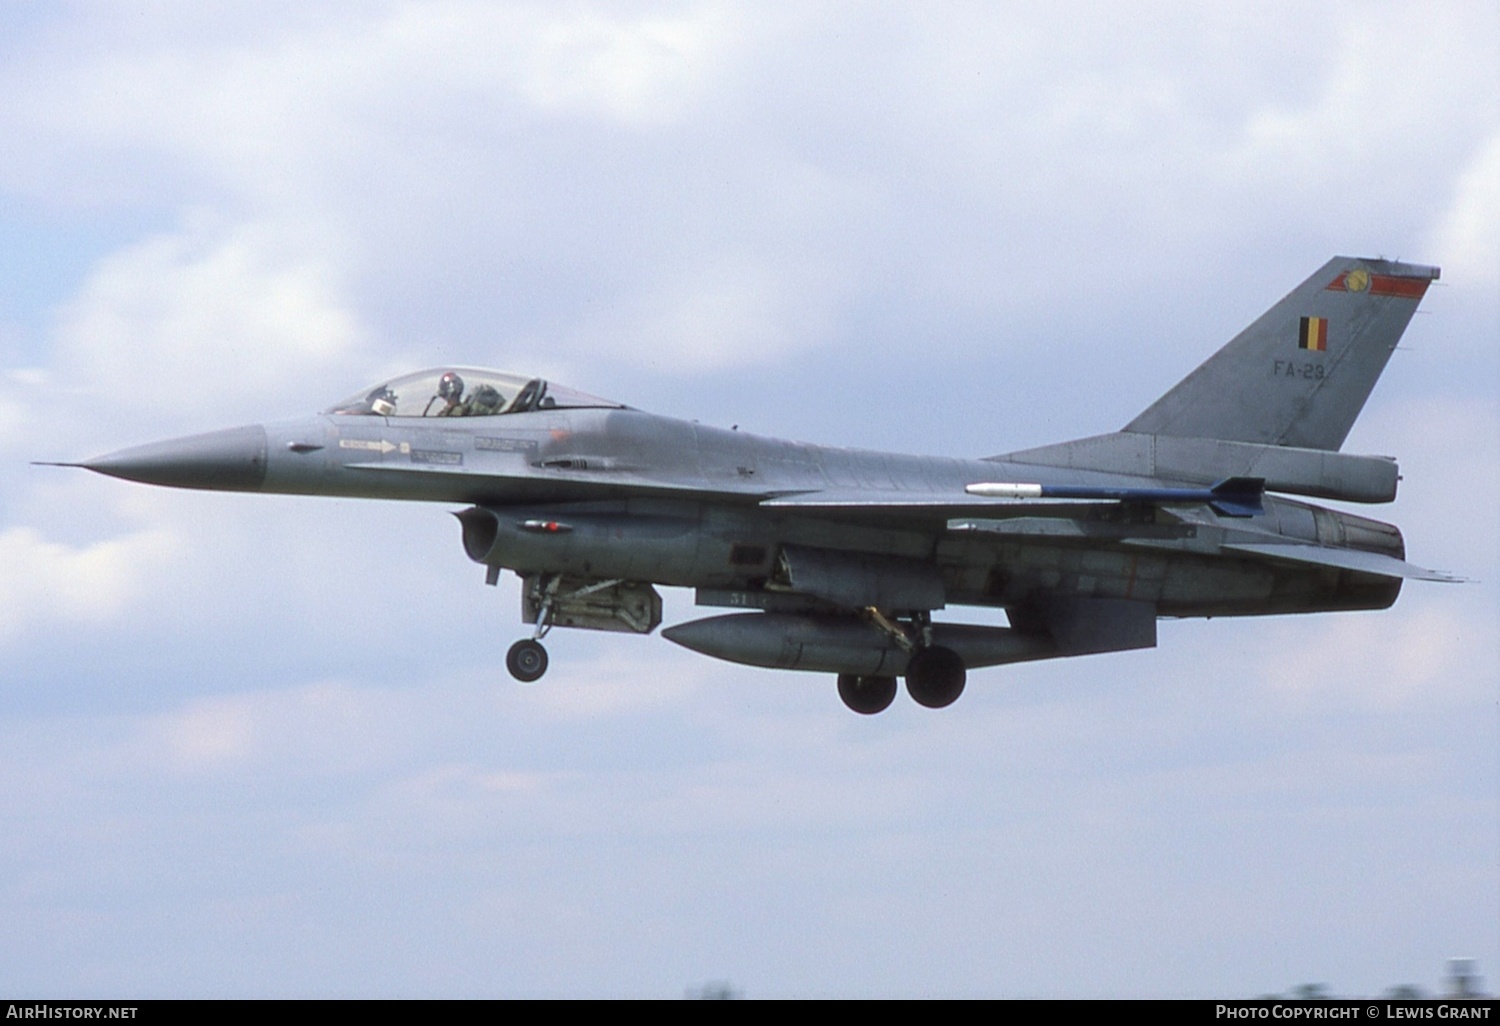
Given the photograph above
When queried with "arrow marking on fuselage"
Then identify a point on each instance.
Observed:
(370, 445)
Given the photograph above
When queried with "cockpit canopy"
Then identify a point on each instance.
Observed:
(465, 392)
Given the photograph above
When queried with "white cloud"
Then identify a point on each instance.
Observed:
(1468, 234)
(727, 313)
(13, 416)
(324, 728)
(1446, 448)
(210, 733)
(192, 324)
(419, 146)
(268, 110)
(701, 188)
(642, 70)
(632, 680)
(1385, 662)
(47, 581)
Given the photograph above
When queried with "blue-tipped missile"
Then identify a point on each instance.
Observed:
(1232, 497)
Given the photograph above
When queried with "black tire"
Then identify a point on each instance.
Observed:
(935, 677)
(526, 660)
(867, 695)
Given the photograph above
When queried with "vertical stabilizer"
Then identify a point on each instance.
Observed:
(1301, 373)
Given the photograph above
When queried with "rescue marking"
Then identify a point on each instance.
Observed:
(505, 444)
(367, 445)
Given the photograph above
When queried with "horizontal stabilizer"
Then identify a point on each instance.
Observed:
(1315, 472)
(1345, 559)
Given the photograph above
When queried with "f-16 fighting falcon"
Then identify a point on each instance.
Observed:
(840, 560)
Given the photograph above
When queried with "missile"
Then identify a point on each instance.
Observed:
(1232, 497)
(844, 644)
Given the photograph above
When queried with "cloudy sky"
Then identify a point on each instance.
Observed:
(256, 745)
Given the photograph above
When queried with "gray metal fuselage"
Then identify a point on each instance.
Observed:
(669, 502)
(837, 558)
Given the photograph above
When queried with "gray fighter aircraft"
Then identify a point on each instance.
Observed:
(836, 560)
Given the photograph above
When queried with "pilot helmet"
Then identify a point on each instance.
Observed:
(451, 387)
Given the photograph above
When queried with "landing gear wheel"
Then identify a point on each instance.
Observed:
(935, 677)
(867, 695)
(526, 660)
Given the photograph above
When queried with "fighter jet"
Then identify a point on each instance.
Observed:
(839, 560)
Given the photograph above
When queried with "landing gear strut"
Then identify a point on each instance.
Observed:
(526, 660)
(867, 695)
(934, 675)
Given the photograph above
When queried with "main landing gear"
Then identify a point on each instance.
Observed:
(867, 695)
(934, 678)
(935, 675)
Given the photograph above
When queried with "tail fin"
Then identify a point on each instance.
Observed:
(1301, 373)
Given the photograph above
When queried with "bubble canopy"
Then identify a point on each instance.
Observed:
(465, 392)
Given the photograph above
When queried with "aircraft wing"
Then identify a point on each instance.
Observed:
(1344, 559)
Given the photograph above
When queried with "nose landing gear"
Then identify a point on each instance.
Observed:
(526, 660)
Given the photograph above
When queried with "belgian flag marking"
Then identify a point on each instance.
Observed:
(1313, 334)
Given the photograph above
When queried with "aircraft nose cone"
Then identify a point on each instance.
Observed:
(231, 461)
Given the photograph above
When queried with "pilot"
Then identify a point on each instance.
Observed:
(451, 391)
(485, 401)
